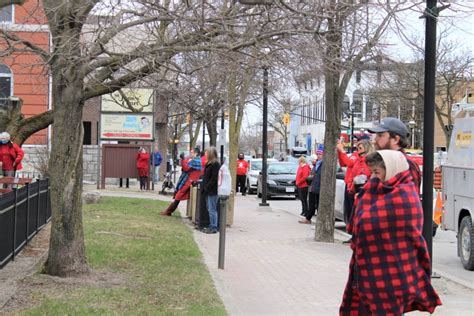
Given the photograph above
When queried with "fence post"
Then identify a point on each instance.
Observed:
(38, 206)
(14, 225)
(47, 202)
(27, 211)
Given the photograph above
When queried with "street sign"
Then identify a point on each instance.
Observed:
(128, 100)
(126, 126)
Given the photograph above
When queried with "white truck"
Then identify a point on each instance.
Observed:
(458, 186)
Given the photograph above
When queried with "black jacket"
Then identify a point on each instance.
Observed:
(316, 183)
(211, 174)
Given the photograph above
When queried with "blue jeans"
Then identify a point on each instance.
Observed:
(212, 209)
(156, 174)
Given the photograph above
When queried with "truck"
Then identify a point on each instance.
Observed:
(458, 186)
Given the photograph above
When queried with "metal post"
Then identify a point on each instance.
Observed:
(431, 14)
(14, 225)
(222, 227)
(27, 210)
(264, 137)
(203, 135)
(352, 129)
(38, 206)
(175, 148)
(222, 145)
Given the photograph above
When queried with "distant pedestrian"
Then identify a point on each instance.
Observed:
(302, 173)
(389, 272)
(191, 171)
(157, 159)
(242, 169)
(314, 188)
(357, 174)
(211, 174)
(393, 134)
(143, 166)
(11, 155)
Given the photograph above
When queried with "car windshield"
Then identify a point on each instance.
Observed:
(283, 168)
(256, 165)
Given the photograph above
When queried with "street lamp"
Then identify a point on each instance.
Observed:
(264, 137)
(412, 125)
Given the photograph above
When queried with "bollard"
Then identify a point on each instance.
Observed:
(222, 227)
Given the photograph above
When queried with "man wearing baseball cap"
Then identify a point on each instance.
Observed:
(393, 134)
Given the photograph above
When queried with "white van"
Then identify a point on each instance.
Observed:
(458, 186)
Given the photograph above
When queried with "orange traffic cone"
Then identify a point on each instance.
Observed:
(438, 211)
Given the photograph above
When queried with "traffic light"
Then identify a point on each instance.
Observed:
(286, 119)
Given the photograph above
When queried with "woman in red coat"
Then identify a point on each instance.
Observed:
(143, 166)
(302, 173)
(389, 272)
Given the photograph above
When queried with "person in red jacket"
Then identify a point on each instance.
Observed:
(389, 272)
(242, 167)
(359, 173)
(11, 155)
(303, 172)
(143, 166)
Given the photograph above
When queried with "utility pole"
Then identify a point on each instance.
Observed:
(221, 137)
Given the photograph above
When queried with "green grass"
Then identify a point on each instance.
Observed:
(150, 265)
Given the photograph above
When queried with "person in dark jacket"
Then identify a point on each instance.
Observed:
(315, 188)
(191, 171)
(389, 272)
(211, 174)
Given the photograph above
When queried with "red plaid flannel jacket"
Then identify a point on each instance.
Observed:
(389, 269)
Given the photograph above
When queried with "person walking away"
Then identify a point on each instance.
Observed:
(11, 156)
(143, 166)
(315, 188)
(393, 134)
(359, 173)
(191, 171)
(242, 168)
(157, 159)
(389, 272)
(210, 178)
(302, 173)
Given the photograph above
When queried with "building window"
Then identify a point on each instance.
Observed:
(5, 84)
(358, 76)
(87, 133)
(6, 14)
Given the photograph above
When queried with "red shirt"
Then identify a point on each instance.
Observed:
(242, 167)
(301, 174)
(359, 167)
(11, 153)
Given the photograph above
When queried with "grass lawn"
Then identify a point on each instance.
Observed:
(143, 264)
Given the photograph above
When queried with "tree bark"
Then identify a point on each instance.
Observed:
(66, 251)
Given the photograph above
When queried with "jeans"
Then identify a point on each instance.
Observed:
(156, 174)
(212, 209)
(303, 196)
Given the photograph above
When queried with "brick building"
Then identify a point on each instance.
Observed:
(23, 73)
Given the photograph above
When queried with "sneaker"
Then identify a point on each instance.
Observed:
(304, 221)
(209, 231)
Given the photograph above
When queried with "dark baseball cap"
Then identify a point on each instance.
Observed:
(391, 124)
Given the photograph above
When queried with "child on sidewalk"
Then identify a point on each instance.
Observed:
(389, 272)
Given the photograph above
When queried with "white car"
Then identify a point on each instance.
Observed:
(255, 166)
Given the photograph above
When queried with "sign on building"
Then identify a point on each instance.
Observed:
(128, 100)
(126, 126)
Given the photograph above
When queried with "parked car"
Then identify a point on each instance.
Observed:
(255, 166)
(281, 178)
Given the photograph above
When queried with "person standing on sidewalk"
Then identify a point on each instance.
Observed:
(242, 168)
(143, 166)
(314, 188)
(389, 272)
(302, 173)
(191, 171)
(393, 134)
(11, 156)
(358, 175)
(157, 159)
(210, 179)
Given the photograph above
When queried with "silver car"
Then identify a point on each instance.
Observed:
(255, 166)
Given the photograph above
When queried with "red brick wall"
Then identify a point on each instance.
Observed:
(30, 74)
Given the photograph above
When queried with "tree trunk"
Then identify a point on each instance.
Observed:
(66, 251)
(212, 130)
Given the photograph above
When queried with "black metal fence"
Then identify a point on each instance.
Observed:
(23, 212)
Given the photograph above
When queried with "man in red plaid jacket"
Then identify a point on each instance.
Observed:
(389, 272)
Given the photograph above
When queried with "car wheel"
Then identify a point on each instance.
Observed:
(269, 197)
(466, 243)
